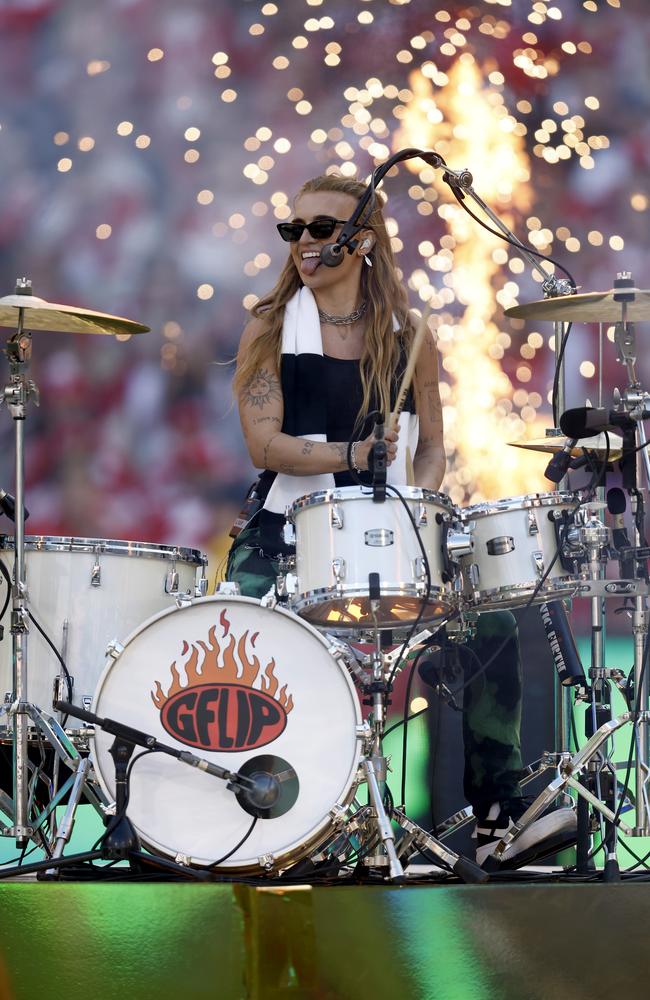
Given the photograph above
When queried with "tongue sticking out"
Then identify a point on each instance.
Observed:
(309, 265)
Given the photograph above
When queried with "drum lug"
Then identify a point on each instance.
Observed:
(338, 816)
(60, 688)
(96, 573)
(338, 569)
(201, 588)
(288, 532)
(172, 579)
(114, 649)
(474, 575)
(533, 527)
(269, 600)
(287, 584)
(419, 568)
(422, 519)
(538, 560)
(363, 731)
(336, 516)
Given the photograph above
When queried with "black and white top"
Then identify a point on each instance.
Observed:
(305, 375)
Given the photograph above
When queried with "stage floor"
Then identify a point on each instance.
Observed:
(243, 942)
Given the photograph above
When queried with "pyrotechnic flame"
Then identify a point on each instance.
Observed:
(483, 410)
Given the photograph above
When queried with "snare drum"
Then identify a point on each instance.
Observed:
(343, 537)
(248, 688)
(514, 544)
(84, 592)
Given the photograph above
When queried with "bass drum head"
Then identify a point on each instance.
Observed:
(239, 685)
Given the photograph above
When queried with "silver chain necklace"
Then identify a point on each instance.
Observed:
(348, 320)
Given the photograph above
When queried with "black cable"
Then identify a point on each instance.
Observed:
(215, 864)
(7, 578)
(66, 672)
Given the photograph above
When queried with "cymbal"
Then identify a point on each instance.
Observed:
(42, 315)
(597, 443)
(588, 307)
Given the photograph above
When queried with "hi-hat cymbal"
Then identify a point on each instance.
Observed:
(590, 307)
(42, 315)
(597, 443)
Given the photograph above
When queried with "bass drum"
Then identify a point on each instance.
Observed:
(246, 687)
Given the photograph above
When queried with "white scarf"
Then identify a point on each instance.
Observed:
(301, 335)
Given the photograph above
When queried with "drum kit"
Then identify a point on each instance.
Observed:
(257, 757)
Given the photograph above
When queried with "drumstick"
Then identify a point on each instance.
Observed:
(407, 377)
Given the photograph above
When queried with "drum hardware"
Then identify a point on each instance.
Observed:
(590, 544)
(380, 850)
(17, 311)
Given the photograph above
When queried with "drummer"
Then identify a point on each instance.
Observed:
(323, 352)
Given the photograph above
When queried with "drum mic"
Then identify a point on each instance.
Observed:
(616, 505)
(563, 647)
(8, 505)
(269, 787)
(558, 467)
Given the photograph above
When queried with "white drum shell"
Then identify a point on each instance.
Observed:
(344, 529)
(189, 815)
(85, 592)
(507, 579)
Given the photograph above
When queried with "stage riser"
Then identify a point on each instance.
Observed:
(328, 943)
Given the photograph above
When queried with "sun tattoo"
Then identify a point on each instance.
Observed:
(263, 387)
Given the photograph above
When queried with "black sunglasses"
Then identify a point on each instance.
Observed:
(319, 229)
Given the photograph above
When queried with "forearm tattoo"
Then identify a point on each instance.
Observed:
(340, 450)
(307, 447)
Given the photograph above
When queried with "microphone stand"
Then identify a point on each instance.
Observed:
(121, 841)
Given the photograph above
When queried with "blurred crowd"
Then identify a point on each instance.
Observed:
(140, 439)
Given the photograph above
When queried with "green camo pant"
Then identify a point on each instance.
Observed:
(492, 698)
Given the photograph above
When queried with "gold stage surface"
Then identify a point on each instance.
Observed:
(242, 942)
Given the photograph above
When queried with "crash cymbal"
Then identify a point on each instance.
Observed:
(42, 315)
(590, 307)
(597, 443)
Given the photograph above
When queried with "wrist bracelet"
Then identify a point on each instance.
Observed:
(353, 456)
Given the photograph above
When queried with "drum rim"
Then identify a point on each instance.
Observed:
(558, 587)
(524, 502)
(306, 600)
(110, 546)
(300, 848)
(341, 493)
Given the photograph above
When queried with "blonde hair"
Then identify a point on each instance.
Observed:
(380, 285)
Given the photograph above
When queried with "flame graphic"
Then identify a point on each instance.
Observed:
(225, 663)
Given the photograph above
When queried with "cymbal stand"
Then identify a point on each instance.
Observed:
(16, 396)
(635, 401)
(22, 713)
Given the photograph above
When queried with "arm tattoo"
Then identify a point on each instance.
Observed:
(340, 451)
(307, 447)
(262, 388)
(265, 420)
(267, 446)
